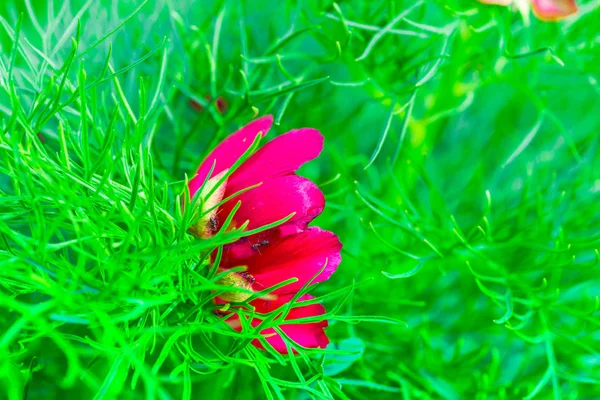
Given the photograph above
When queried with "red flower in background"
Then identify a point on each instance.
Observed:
(547, 10)
(290, 250)
(221, 104)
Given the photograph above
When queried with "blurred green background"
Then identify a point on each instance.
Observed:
(461, 171)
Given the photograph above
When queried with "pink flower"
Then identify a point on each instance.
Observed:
(290, 250)
(547, 10)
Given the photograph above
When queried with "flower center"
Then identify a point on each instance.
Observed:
(208, 224)
(240, 280)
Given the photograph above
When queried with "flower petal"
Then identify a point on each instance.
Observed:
(309, 335)
(305, 334)
(275, 199)
(300, 256)
(498, 2)
(229, 150)
(281, 156)
(554, 10)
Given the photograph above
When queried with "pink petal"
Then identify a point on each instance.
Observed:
(234, 254)
(281, 156)
(498, 2)
(229, 150)
(275, 199)
(554, 10)
(247, 247)
(300, 256)
(309, 335)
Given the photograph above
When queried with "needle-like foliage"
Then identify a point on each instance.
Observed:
(461, 170)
